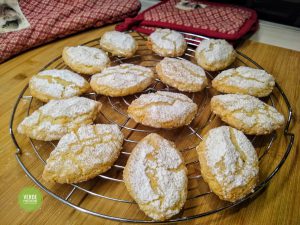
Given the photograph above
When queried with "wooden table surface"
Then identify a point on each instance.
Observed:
(277, 204)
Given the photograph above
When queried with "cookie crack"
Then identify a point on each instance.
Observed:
(237, 74)
(123, 73)
(241, 110)
(57, 80)
(236, 146)
(172, 97)
(210, 48)
(159, 103)
(192, 72)
(42, 118)
(52, 79)
(151, 174)
(165, 37)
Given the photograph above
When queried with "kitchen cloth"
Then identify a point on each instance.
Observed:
(52, 19)
(216, 20)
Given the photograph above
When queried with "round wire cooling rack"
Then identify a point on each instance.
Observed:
(105, 196)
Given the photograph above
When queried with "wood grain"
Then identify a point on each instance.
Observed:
(277, 204)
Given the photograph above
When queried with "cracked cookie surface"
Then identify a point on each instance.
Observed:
(118, 44)
(229, 163)
(57, 84)
(156, 177)
(244, 80)
(58, 117)
(167, 43)
(181, 74)
(122, 80)
(83, 154)
(214, 54)
(247, 113)
(85, 60)
(163, 109)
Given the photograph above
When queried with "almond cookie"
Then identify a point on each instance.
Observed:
(85, 60)
(57, 84)
(244, 80)
(163, 110)
(58, 117)
(167, 43)
(118, 44)
(214, 54)
(247, 113)
(156, 177)
(181, 74)
(229, 163)
(122, 80)
(83, 154)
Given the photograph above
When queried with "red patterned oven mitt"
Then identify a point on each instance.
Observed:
(210, 19)
(52, 19)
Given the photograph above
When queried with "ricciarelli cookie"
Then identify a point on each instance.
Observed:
(85, 60)
(167, 43)
(214, 54)
(122, 80)
(156, 177)
(163, 110)
(229, 163)
(118, 44)
(244, 80)
(247, 113)
(181, 74)
(57, 84)
(83, 154)
(58, 117)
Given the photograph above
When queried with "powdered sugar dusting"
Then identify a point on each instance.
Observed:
(71, 107)
(88, 56)
(167, 39)
(66, 75)
(123, 76)
(182, 70)
(164, 106)
(121, 41)
(232, 150)
(57, 117)
(157, 158)
(246, 78)
(249, 110)
(88, 148)
(58, 83)
(215, 50)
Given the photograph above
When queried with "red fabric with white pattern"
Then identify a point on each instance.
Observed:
(216, 20)
(52, 19)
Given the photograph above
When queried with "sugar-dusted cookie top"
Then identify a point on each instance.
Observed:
(214, 54)
(167, 43)
(247, 113)
(57, 84)
(85, 60)
(83, 154)
(122, 80)
(181, 74)
(163, 109)
(58, 117)
(156, 177)
(118, 43)
(229, 163)
(244, 80)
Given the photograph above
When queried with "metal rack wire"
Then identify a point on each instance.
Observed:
(193, 133)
